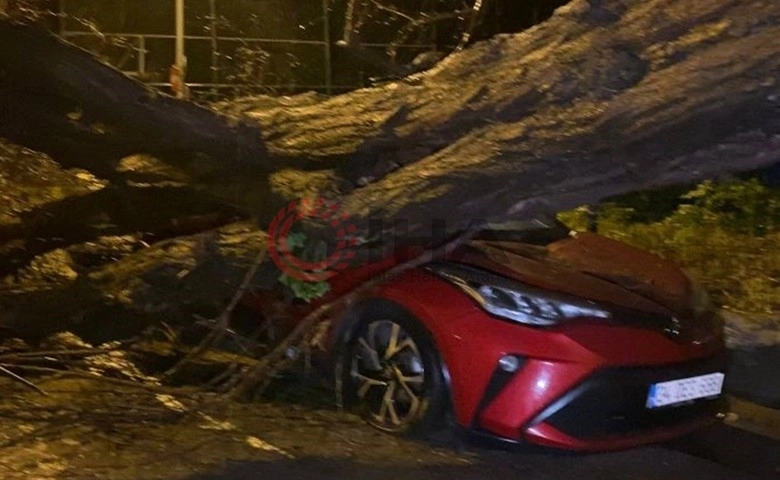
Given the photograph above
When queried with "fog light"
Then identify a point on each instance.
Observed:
(509, 363)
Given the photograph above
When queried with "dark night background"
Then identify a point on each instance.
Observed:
(289, 67)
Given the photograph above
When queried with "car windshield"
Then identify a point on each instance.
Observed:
(539, 230)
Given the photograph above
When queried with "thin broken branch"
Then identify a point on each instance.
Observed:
(42, 354)
(91, 376)
(21, 380)
(222, 321)
(391, 10)
(421, 22)
(259, 377)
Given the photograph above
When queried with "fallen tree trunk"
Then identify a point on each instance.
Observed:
(604, 98)
(169, 282)
(57, 98)
(150, 213)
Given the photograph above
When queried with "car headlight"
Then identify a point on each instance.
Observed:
(514, 301)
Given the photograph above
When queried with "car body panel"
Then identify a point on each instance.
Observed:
(588, 266)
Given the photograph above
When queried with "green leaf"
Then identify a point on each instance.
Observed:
(296, 240)
(306, 291)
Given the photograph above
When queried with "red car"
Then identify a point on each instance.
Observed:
(533, 335)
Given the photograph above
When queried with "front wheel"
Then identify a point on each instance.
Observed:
(393, 375)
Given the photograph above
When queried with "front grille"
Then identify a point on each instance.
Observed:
(685, 328)
(612, 401)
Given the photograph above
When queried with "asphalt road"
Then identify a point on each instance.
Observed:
(721, 452)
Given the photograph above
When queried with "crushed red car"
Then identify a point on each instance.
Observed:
(531, 334)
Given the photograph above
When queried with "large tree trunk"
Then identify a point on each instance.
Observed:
(57, 98)
(607, 97)
(604, 98)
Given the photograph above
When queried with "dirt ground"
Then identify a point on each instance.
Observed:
(93, 429)
(89, 429)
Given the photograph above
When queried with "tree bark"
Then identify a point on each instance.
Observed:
(604, 98)
(57, 98)
(607, 97)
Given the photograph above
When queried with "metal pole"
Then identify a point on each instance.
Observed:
(326, 39)
(180, 60)
(142, 57)
(179, 69)
(214, 44)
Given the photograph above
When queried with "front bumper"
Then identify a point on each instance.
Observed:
(607, 410)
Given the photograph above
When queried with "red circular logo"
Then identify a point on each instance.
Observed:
(279, 235)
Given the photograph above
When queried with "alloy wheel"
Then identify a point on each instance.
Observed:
(389, 375)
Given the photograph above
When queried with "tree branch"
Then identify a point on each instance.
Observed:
(474, 15)
(21, 380)
(258, 378)
(424, 20)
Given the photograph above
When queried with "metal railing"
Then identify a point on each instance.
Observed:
(139, 42)
(219, 80)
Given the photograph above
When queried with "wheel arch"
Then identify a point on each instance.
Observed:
(346, 326)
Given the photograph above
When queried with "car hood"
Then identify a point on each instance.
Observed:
(588, 266)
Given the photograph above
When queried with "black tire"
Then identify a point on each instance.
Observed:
(392, 373)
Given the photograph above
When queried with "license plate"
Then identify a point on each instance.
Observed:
(685, 389)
